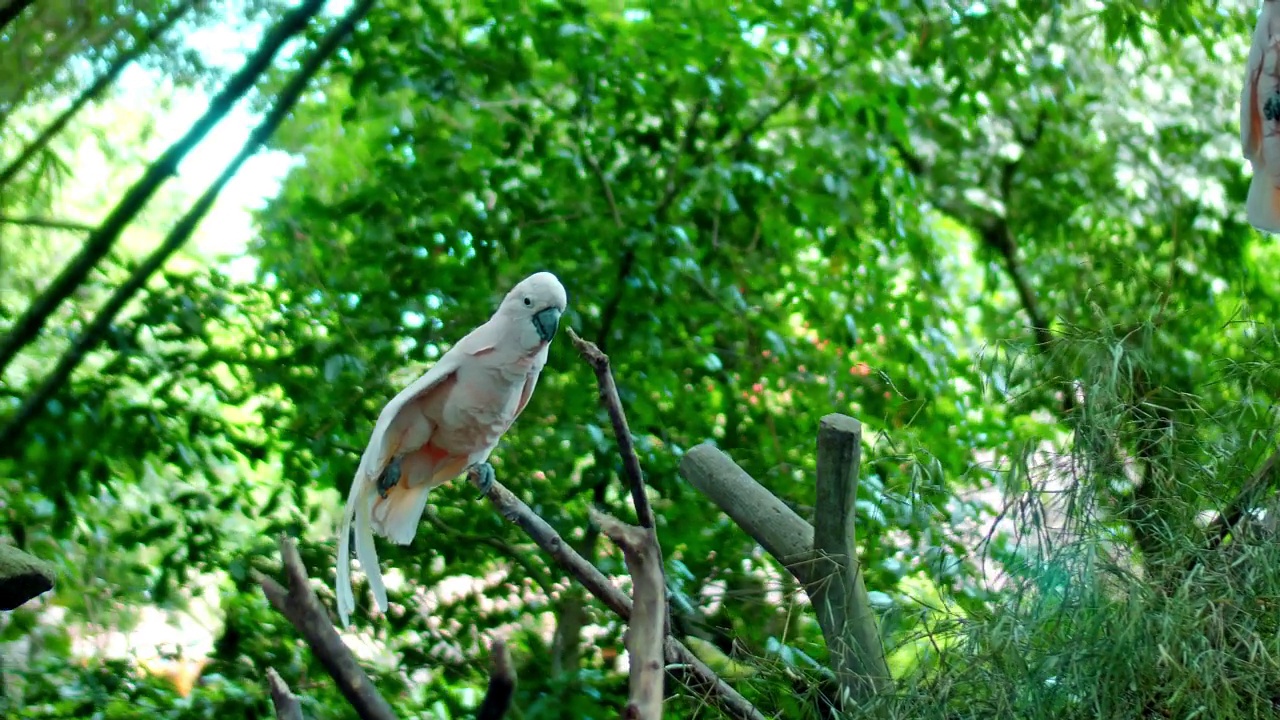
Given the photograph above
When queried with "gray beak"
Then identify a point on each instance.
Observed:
(547, 322)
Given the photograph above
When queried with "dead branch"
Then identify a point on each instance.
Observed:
(824, 560)
(502, 683)
(282, 698)
(599, 362)
(302, 608)
(648, 620)
(695, 673)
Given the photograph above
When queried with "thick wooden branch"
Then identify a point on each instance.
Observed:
(838, 592)
(648, 618)
(502, 683)
(282, 698)
(695, 673)
(824, 559)
(303, 609)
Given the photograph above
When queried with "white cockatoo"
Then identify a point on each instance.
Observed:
(1260, 120)
(444, 423)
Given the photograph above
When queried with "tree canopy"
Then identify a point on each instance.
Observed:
(1006, 237)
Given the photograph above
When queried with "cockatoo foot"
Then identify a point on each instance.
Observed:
(484, 477)
(389, 477)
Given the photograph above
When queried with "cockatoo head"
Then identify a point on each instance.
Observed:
(533, 308)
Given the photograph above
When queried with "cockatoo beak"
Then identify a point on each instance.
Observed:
(547, 322)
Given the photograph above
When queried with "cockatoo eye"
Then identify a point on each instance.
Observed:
(528, 302)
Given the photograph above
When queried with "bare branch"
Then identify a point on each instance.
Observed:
(613, 405)
(303, 609)
(1253, 490)
(693, 671)
(502, 683)
(648, 620)
(285, 702)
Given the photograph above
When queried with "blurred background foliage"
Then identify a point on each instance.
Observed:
(1007, 236)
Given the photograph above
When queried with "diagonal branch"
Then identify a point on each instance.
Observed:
(28, 327)
(303, 609)
(599, 362)
(823, 560)
(1265, 478)
(694, 672)
(182, 231)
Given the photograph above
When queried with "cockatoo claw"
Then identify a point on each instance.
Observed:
(484, 477)
(389, 477)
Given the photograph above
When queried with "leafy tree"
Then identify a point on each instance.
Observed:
(1009, 239)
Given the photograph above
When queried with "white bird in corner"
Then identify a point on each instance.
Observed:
(445, 423)
(1260, 120)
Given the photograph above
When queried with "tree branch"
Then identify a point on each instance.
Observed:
(648, 620)
(858, 655)
(45, 223)
(823, 560)
(282, 698)
(303, 609)
(28, 327)
(695, 672)
(502, 683)
(182, 231)
(93, 91)
(599, 363)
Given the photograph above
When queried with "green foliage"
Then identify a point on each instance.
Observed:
(1008, 240)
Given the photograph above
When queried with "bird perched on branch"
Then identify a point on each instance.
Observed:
(1260, 120)
(445, 423)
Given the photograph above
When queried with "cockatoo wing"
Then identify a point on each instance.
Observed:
(398, 426)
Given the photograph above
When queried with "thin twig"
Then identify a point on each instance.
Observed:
(303, 609)
(695, 673)
(46, 224)
(599, 362)
(282, 698)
